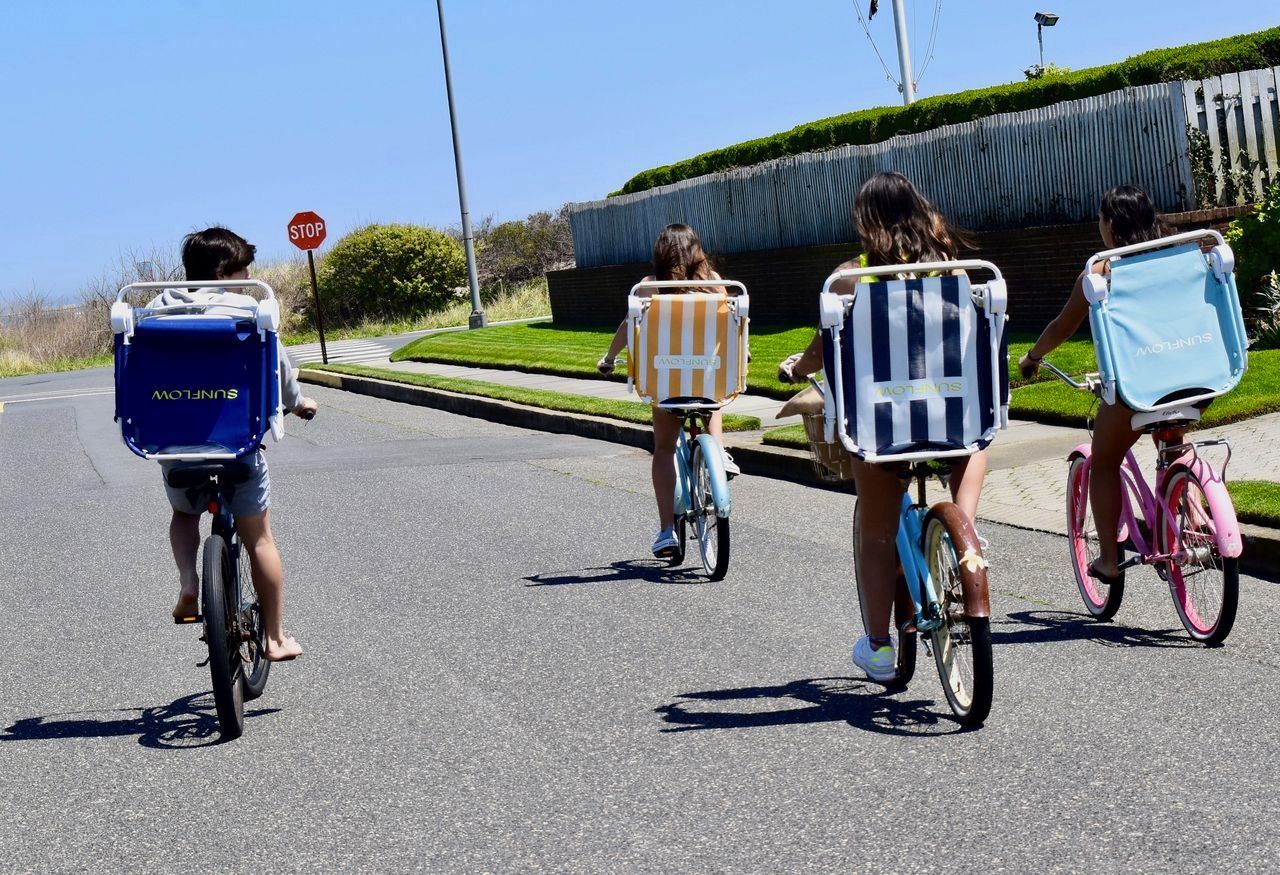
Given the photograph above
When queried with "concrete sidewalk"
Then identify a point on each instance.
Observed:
(1026, 486)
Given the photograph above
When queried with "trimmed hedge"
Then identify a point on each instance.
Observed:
(390, 272)
(1233, 54)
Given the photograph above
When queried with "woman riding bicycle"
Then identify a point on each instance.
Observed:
(1125, 217)
(677, 255)
(897, 225)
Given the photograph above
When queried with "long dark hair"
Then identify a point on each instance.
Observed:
(678, 255)
(899, 225)
(1132, 216)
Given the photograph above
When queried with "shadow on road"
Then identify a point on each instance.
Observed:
(817, 700)
(184, 723)
(628, 570)
(1047, 627)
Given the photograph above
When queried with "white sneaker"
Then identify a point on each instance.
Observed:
(665, 544)
(730, 466)
(879, 664)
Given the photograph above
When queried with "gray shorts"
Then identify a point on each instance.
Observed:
(249, 498)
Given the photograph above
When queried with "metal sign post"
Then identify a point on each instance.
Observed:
(307, 232)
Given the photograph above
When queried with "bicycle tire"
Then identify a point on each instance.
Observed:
(1100, 600)
(1203, 555)
(962, 644)
(903, 614)
(712, 537)
(217, 605)
(253, 634)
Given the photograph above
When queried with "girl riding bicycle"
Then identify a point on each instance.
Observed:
(1126, 216)
(677, 255)
(897, 225)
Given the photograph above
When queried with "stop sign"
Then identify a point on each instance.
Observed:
(306, 230)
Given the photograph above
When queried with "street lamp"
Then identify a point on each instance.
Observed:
(1043, 20)
(477, 318)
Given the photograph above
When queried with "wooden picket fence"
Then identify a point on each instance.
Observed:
(1238, 119)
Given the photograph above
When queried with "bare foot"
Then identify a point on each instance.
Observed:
(1102, 573)
(187, 604)
(283, 649)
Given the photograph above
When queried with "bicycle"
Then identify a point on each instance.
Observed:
(1187, 529)
(209, 421)
(940, 403)
(702, 487)
(229, 608)
(687, 355)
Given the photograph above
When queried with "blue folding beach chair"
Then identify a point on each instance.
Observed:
(197, 382)
(1167, 327)
(917, 368)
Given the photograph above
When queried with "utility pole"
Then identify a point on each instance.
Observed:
(477, 318)
(904, 53)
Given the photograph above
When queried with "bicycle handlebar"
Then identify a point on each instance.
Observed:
(1088, 384)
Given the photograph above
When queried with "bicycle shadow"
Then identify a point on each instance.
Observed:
(623, 571)
(860, 704)
(1050, 627)
(188, 722)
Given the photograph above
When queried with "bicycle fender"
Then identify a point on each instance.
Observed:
(713, 458)
(973, 573)
(1228, 537)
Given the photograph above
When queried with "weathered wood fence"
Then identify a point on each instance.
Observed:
(1237, 117)
(1041, 166)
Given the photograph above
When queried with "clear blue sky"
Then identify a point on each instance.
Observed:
(130, 123)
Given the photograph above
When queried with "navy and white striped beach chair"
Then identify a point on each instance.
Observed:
(916, 368)
(1168, 331)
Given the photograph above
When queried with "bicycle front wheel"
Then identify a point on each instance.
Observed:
(962, 643)
(253, 641)
(1204, 584)
(1100, 600)
(218, 604)
(711, 531)
(902, 619)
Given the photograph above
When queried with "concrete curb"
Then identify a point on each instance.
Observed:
(1262, 545)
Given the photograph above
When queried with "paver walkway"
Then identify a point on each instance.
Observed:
(1026, 486)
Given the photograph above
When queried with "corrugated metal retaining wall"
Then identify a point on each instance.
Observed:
(1041, 166)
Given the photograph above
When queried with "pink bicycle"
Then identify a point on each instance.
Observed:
(1187, 529)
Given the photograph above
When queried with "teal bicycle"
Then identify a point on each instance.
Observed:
(702, 487)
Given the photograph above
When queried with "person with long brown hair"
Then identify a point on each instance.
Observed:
(1125, 216)
(677, 255)
(897, 225)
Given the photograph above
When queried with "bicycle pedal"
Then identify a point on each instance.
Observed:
(205, 663)
(187, 621)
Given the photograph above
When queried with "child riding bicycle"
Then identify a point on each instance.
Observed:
(677, 255)
(1125, 217)
(219, 254)
(897, 225)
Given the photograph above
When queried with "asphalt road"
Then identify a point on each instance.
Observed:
(498, 679)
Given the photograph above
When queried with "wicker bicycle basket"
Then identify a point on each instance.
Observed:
(832, 463)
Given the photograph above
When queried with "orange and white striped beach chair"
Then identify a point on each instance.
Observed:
(687, 346)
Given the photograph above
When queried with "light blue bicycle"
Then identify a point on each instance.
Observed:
(702, 487)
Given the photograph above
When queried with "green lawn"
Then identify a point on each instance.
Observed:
(626, 411)
(1256, 501)
(544, 348)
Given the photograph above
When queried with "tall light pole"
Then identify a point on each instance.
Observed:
(1043, 20)
(904, 53)
(477, 319)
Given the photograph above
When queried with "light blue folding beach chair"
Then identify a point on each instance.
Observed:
(1167, 326)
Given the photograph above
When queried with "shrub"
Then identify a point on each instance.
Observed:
(1245, 52)
(1255, 239)
(390, 272)
(517, 251)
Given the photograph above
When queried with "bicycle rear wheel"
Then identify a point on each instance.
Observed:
(1205, 585)
(1100, 600)
(218, 604)
(962, 644)
(253, 646)
(711, 531)
(903, 617)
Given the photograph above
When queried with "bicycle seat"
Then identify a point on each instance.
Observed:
(188, 476)
(689, 403)
(1164, 418)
